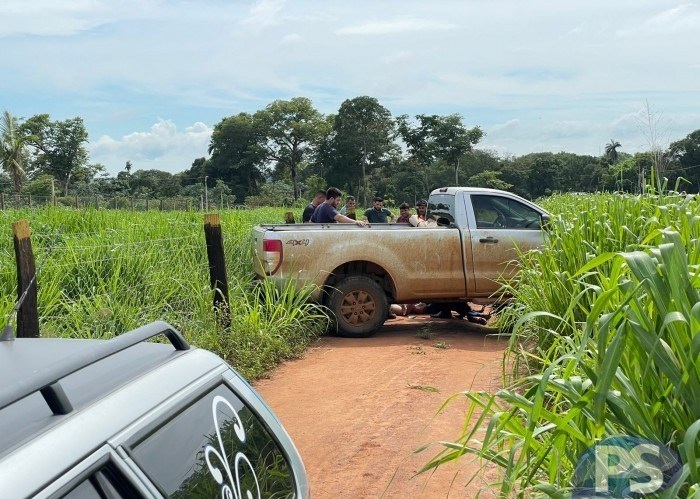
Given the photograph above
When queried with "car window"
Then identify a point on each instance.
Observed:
(106, 482)
(497, 212)
(215, 447)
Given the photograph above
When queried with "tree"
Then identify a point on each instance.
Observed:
(288, 131)
(611, 151)
(59, 146)
(453, 140)
(433, 137)
(13, 149)
(612, 155)
(419, 141)
(363, 135)
(154, 183)
(237, 156)
(490, 179)
(686, 154)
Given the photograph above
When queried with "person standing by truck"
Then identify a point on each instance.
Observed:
(327, 212)
(378, 214)
(319, 198)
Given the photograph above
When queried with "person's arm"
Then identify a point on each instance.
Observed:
(340, 218)
(392, 217)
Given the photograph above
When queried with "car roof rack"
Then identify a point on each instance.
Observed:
(48, 381)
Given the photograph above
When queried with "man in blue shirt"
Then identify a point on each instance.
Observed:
(327, 212)
(378, 214)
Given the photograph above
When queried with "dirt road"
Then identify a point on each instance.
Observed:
(357, 409)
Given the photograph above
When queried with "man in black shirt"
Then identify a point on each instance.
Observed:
(319, 198)
(378, 214)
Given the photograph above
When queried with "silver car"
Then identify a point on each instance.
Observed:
(129, 418)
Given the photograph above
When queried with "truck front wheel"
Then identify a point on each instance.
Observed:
(359, 306)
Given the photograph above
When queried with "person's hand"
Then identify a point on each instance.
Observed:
(361, 223)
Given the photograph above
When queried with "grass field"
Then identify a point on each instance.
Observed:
(103, 272)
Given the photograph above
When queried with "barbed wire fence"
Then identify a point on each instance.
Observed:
(134, 203)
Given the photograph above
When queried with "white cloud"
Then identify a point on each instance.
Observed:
(263, 14)
(163, 147)
(681, 18)
(290, 39)
(66, 17)
(396, 26)
(399, 57)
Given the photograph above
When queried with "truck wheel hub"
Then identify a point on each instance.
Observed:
(357, 307)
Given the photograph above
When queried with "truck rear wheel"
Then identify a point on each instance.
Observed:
(359, 306)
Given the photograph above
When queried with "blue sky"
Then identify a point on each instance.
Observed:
(151, 78)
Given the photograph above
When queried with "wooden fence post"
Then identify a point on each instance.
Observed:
(28, 314)
(217, 266)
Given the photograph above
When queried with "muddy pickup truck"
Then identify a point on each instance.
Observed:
(356, 272)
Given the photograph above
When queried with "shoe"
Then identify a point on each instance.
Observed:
(477, 320)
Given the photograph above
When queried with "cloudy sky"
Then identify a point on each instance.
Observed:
(151, 78)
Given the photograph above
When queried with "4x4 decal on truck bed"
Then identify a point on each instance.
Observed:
(299, 242)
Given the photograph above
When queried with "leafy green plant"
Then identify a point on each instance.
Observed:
(631, 368)
(104, 272)
(425, 333)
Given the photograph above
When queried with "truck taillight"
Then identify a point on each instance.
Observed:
(272, 255)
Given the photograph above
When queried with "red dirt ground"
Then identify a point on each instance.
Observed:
(357, 408)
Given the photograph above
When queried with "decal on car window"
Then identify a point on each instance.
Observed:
(233, 487)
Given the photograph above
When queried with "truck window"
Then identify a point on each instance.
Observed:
(497, 212)
(213, 447)
(441, 207)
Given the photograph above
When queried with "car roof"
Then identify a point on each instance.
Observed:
(45, 377)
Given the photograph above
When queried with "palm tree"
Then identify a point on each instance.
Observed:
(12, 149)
(611, 154)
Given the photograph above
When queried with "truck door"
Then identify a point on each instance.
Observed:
(498, 224)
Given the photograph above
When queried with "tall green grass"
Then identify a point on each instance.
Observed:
(605, 337)
(105, 272)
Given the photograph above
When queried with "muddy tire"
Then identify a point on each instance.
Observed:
(358, 307)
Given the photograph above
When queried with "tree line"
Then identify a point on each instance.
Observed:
(288, 150)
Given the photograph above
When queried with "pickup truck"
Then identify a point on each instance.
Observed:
(356, 272)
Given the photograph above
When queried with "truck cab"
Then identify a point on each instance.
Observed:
(493, 224)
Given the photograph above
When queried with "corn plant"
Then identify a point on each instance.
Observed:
(606, 319)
